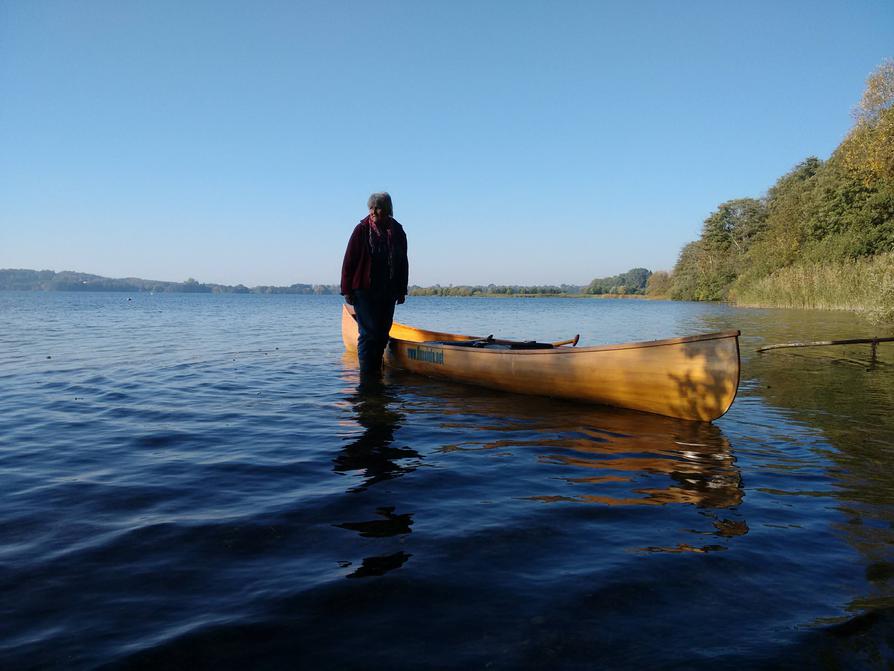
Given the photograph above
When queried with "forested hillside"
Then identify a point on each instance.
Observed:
(822, 236)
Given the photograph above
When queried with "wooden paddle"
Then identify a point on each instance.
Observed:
(572, 342)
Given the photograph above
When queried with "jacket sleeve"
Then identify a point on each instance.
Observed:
(404, 271)
(349, 264)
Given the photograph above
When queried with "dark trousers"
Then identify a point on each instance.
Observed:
(375, 313)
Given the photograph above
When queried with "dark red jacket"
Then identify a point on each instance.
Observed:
(356, 270)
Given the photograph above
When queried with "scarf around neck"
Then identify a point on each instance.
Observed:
(381, 241)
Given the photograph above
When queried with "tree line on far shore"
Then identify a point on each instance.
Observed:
(633, 282)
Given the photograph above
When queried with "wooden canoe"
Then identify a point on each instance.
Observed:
(694, 377)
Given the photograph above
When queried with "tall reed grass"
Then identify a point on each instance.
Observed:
(864, 285)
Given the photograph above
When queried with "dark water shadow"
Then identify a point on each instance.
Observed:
(387, 525)
(373, 567)
(375, 408)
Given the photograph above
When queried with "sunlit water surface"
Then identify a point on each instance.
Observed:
(196, 481)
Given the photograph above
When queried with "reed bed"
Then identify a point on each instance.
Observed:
(863, 285)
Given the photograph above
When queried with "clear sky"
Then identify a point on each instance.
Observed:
(523, 142)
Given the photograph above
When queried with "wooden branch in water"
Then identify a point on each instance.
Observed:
(853, 341)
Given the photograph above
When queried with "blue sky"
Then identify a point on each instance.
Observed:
(523, 142)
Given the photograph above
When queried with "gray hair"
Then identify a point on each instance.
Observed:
(383, 200)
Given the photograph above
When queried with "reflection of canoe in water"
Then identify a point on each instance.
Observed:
(603, 455)
(693, 377)
(587, 454)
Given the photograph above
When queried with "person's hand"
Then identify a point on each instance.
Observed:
(401, 299)
(348, 299)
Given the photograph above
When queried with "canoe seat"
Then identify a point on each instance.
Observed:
(531, 344)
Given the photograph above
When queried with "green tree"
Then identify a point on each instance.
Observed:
(780, 240)
(687, 274)
(635, 280)
(631, 282)
(706, 270)
(659, 284)
(869, 148)
(734, 226)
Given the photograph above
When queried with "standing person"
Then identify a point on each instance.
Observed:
(374, 277)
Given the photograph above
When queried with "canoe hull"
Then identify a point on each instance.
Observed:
(694, 378)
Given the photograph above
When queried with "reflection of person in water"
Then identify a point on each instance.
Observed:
(386, 525)
(373, 452)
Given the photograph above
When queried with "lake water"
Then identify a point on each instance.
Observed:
(196, 481)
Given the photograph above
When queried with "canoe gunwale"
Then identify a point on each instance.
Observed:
(578, 350)
(443, 335)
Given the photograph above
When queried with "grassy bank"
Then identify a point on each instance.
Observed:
(864, 285)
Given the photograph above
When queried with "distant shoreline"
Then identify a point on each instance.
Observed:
(286, 291)
(49, 280)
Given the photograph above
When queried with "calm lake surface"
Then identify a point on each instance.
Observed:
(196, 481)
